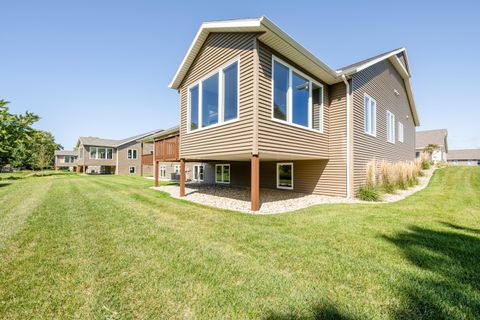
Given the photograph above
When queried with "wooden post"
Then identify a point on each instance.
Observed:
(141, 159)
(156, 172)
(182, 177)
(78, 169)
(255, 182)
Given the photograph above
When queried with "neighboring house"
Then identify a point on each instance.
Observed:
(66, 160)
(167, 162)
(106, 156)
(437, 137)
(466, 157)
(265, 112)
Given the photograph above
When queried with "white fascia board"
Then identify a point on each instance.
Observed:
(411, 99)
(375, 61)
(204, 30)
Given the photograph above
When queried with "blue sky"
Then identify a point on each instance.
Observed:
(102, 68)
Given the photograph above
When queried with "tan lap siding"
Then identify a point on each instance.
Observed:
(124, 163)
(333, 181)
(279, 137)
(231, 138)
(380, 82)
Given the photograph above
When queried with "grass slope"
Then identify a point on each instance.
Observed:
(109, 247)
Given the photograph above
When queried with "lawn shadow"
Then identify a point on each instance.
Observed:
(4, 184)
(448, 283)
(324, 311)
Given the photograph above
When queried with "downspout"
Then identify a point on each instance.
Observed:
(349, 136)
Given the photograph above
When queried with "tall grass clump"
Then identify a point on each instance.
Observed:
(425, 159)
(387, 177)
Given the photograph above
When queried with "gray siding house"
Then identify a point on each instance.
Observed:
(438, 137)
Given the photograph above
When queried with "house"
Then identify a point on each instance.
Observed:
(107, 156)
(466, 157)
(266, 113)
(66, 160)
(166, 159)
(437, 138)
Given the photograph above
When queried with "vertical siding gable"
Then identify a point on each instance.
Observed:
(380, 82)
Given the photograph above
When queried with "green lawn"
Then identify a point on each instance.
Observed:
(109, 247)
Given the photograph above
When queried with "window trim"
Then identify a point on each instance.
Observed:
(289, 122)
(392, 141)
(221, 102)
(402, 136)
(229, 170)
(164, 167)
(136, 154)
(96, 153)
(175, 169)
(193, 175)
(374, 125)
(134, 170)
(278, 177)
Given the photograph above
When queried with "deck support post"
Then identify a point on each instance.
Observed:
(182, 177)
(255, 182)
(155, 165)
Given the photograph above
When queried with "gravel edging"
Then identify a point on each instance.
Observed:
(274, 201)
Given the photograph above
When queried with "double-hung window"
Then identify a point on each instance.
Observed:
(400, 131)
(390, 127)
(132, 154)
(370, 113)
(198, 172)
(214, 99)
(222, 173)
(162, 171)
(297, 99)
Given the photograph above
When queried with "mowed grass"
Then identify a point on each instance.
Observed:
(110, 247)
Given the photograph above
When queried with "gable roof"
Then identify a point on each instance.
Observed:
(101, 142)
(165, 133)
(66, 153)
(464, 154)
(426, 137)
(280, 41)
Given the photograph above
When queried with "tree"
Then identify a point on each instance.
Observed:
(44, 147)
(430, 148)
(15, 129)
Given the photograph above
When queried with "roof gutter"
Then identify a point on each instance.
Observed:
(349, 137)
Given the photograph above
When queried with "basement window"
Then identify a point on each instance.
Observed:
(131, 169)
(285, 176)
(222, 173)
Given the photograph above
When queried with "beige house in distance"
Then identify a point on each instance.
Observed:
(66, 160)
(464, 157)
(437, 137)
(106, 156)
(264, 112)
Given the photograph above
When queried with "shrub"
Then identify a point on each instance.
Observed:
(426, 162)
(371, 174)
(366, 193)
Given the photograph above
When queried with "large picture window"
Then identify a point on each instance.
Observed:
(285, 176)
(370, 110)
(297, 99)
(100, 153)
(222, 173)
(214, 99)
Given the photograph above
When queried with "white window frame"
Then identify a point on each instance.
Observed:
(134, 170)
(130, 154)
(290, 97)
(97, 153)
(162, 168)
(221, 102)
(390, 130)
(400, 132)
(229, 170)
(372, 111)
(278, 176)
(176, 169)
(197, 167)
